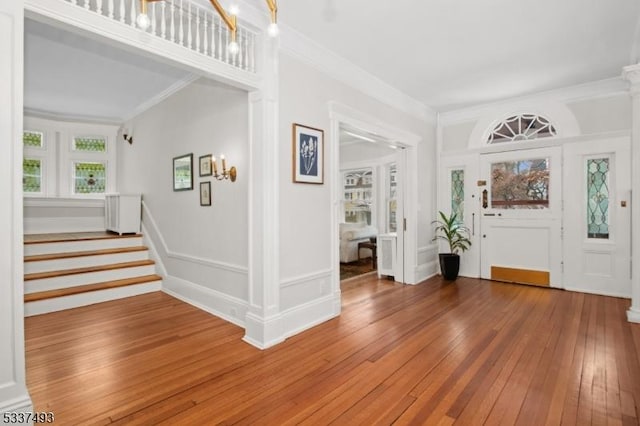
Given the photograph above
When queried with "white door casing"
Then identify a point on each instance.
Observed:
(598, 265)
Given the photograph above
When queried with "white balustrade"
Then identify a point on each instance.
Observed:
(198, 29)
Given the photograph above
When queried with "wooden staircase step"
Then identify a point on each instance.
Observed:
(70, 291)
(70, 237)
(67, 255)
(51, 274)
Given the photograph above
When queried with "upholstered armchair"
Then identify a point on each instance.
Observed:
(350, 235)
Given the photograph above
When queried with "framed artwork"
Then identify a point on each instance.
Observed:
(183, 173)
(205, 193)
(205, 165)
(308, 154)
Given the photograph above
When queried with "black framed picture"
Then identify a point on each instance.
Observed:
(205, 165)
(183, 172)
(205, 193)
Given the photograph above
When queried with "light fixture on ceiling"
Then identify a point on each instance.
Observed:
(355, 135)
(226, 174)
(143, 21)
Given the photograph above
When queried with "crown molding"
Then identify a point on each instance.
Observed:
(592, 90)
(301, 47)
(87, 119)
(161, 96)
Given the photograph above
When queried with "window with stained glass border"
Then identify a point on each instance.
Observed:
(32, 175)
(90, 144)
(89, 177)
(598, 197)
(32, 139)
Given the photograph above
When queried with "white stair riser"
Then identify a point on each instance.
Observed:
(87, 245)
(45, 284)
(83, 299)
(83, 261)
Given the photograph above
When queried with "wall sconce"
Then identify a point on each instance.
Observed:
(127, 137)
(226, 174)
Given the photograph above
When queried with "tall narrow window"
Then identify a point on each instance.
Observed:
(33, 162)
(358, 195)
(598, 198)
(392, 203)
(457, 193)
(32, 175)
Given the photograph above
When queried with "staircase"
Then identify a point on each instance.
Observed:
(64, 271)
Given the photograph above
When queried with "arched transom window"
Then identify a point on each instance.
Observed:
(522, 127)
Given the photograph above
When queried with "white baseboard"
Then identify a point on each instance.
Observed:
(310, 314)
(426, 271)
(14, 398)
(49, 225)
(633, 315)
(222, 305)
(600, 293)
(263, 333)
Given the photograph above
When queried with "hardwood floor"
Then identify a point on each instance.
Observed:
(469, 352)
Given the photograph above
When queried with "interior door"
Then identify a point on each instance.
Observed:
(458, 193)
(597, 231)
(521, 216)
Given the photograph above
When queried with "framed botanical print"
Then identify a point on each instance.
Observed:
(308, 154)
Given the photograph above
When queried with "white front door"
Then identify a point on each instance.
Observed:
(597, 208)
(521, 216)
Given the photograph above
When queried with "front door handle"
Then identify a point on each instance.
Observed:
(485, 199)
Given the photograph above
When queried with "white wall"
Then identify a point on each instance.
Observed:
(13, 392)
(204, 249)
(305, 210)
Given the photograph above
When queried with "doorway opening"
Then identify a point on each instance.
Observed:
(369, 204)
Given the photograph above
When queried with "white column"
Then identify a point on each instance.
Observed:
(13, 391)
(263, 325)
(632, 74)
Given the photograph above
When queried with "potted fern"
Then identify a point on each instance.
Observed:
(453, 231)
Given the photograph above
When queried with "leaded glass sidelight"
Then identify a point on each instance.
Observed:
(89, 178)
(457, 193)
(31, 175)
(94, 144)
(598, 198)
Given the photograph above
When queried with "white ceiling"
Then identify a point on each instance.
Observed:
(72, 76)
(456, 53)
(447, 54)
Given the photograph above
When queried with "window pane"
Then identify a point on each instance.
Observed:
(520, 184)
(31, 175)
(522, 127)
(392, 205)
(89, 178)
(358, 191)
(90, 144)
(457, 193)
(598, 198)
(33, 139)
